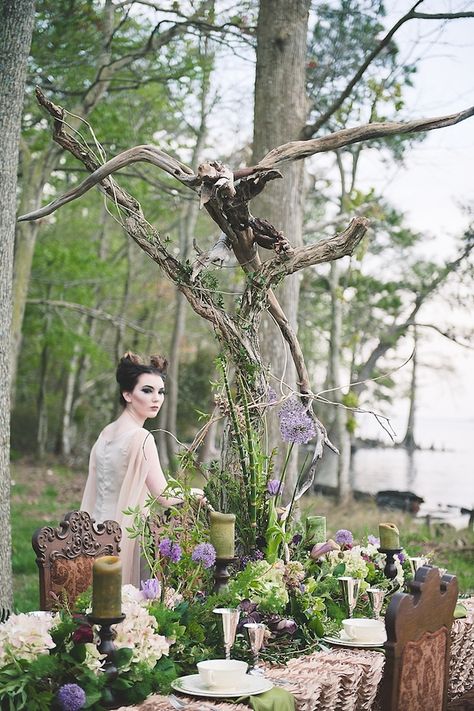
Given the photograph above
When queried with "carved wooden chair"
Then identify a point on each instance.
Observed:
(65, 555)
(417, 650)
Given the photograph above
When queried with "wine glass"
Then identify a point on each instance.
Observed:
(376, 598)
(230, 620)
(256, 633)
(350, 590)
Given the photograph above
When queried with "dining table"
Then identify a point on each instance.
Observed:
(339, 678)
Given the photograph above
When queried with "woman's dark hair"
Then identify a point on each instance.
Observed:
(131, 366)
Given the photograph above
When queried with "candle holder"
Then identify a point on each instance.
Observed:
(106, 646)
(390, 570)
(221, 574)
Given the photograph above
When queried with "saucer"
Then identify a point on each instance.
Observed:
(344, 641)
(192, 684)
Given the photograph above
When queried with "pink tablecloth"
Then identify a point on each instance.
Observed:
(342, 679)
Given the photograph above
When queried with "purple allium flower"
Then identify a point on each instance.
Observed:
(204, 553)
(374, 541)
(296, 426)
(273, 487)
(344, 537)
(401, 557)
(169, 549)
(71, 697)
(151, 589)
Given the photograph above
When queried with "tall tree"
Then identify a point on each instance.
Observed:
(16, 26)
(280, 116)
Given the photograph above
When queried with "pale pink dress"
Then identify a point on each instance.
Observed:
(118, 469)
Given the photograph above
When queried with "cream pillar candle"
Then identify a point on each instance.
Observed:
(107, 587)
(389, 536)
(222, 534)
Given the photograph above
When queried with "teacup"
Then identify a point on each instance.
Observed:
(364, 629)
(222, 673)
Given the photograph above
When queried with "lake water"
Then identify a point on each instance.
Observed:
(443, 476)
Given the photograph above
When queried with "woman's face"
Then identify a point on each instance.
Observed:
(146, 398)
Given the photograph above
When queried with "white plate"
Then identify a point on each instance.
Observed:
(344, 641)
(193, 685)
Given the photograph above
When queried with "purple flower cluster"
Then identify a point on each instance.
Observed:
(151, 589)
(204, 553)
(273, 487)
(169, 549)
(296, 425)
(374, 541)
(344, 537)
(71, 697)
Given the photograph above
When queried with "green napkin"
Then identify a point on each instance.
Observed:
(274, 700)
(459, 611)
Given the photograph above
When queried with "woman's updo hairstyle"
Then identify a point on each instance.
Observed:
(131, 366)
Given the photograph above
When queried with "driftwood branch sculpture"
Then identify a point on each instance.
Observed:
(226, 194)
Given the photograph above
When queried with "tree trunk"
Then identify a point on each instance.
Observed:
(16, 26)
(409, 439)
(279, 116)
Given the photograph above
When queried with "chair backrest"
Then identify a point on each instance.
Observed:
(417, 650)
(65, 555)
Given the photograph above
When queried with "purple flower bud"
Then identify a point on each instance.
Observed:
(321, 549)
(273, 487)
(151, 589)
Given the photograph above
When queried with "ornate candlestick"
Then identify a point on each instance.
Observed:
(221, 574)
(390, 570)
(106, 646)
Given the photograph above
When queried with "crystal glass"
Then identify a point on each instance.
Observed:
(256, 632)
(230, 620)
(350, 590)
(376, 598)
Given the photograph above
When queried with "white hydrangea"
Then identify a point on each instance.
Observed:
(25, 636)
(356, 566)
(138, 632)
(94, 658)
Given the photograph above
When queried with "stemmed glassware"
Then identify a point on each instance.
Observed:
(230, 620)
(350, 590)
(256, 632)
(416, 562)
(376, 598)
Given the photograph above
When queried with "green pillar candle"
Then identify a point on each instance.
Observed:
(389, 536)
(315, 530)
(107, 587)
(222, 534)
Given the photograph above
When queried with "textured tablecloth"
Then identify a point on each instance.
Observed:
(341, 679)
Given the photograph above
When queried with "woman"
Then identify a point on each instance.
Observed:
(124, 465)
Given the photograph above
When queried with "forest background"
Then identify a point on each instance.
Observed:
(181, 76)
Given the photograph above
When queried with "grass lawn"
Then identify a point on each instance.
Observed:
(43, 493)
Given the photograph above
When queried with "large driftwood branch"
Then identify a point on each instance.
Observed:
(296, 150)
